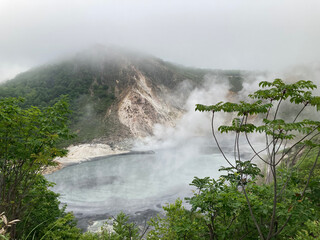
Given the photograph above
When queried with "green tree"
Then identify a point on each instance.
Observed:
(64, 228)
(43, 210)
(122, 229)
(311, 232)
(178, 223)
(28, 143)
(284, 140)
(225, 210)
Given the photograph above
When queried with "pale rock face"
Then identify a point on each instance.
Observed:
(141, 108)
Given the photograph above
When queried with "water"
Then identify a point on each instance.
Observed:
(132, 182)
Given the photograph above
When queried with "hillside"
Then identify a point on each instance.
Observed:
(114, 94)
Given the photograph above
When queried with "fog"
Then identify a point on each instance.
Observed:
(192, 134)
(136, 183)
(252, 35)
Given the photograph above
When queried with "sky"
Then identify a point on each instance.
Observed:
(219, 34)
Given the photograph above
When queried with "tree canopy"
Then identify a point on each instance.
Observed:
(284, 140)
(28, 142)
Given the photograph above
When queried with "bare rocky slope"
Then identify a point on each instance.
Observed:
(114, 94)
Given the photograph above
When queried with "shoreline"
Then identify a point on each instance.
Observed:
(108, 156)
(82, 153)
(88, 152)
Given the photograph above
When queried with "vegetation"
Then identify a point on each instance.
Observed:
(241, 204)
(5, 225)
(178, 223)
(121, 229)
(28, 142)
(89, 96)
(283, 206)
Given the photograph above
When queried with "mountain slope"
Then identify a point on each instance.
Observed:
(114, 94)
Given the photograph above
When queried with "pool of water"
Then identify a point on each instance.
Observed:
(132, 183)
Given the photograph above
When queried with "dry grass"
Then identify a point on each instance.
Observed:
(5, 225)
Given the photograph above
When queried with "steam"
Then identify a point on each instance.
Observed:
(139, 182)
(192, 132)
(193, 126)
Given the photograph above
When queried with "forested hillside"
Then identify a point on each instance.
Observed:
(99, 80)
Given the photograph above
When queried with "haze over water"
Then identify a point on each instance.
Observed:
(133, 183)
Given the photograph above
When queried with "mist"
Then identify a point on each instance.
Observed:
(192, 134)
(251, 35)
(192, 124)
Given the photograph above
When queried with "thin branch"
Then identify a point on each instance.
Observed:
(251, 212)
(287, 181)
(234, 217)
(302, 195)
(310, 173)
(245, 235)
(294, 120)
(272, 156)
(253, 149)
(274, 209)
(238, 139)
(279, 146)
(215, 138)
(300, 112)
(307, 135)
(267, 138)
(146, 227)
(277, 110)
(275, 142)
(257, 153)
(284, 154)
(283, 226)
(235, 149)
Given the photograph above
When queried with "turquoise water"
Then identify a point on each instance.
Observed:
(132, 182)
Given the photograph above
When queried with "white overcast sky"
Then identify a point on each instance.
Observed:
(224, 34)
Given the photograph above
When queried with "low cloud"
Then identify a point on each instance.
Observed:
(207, 34)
